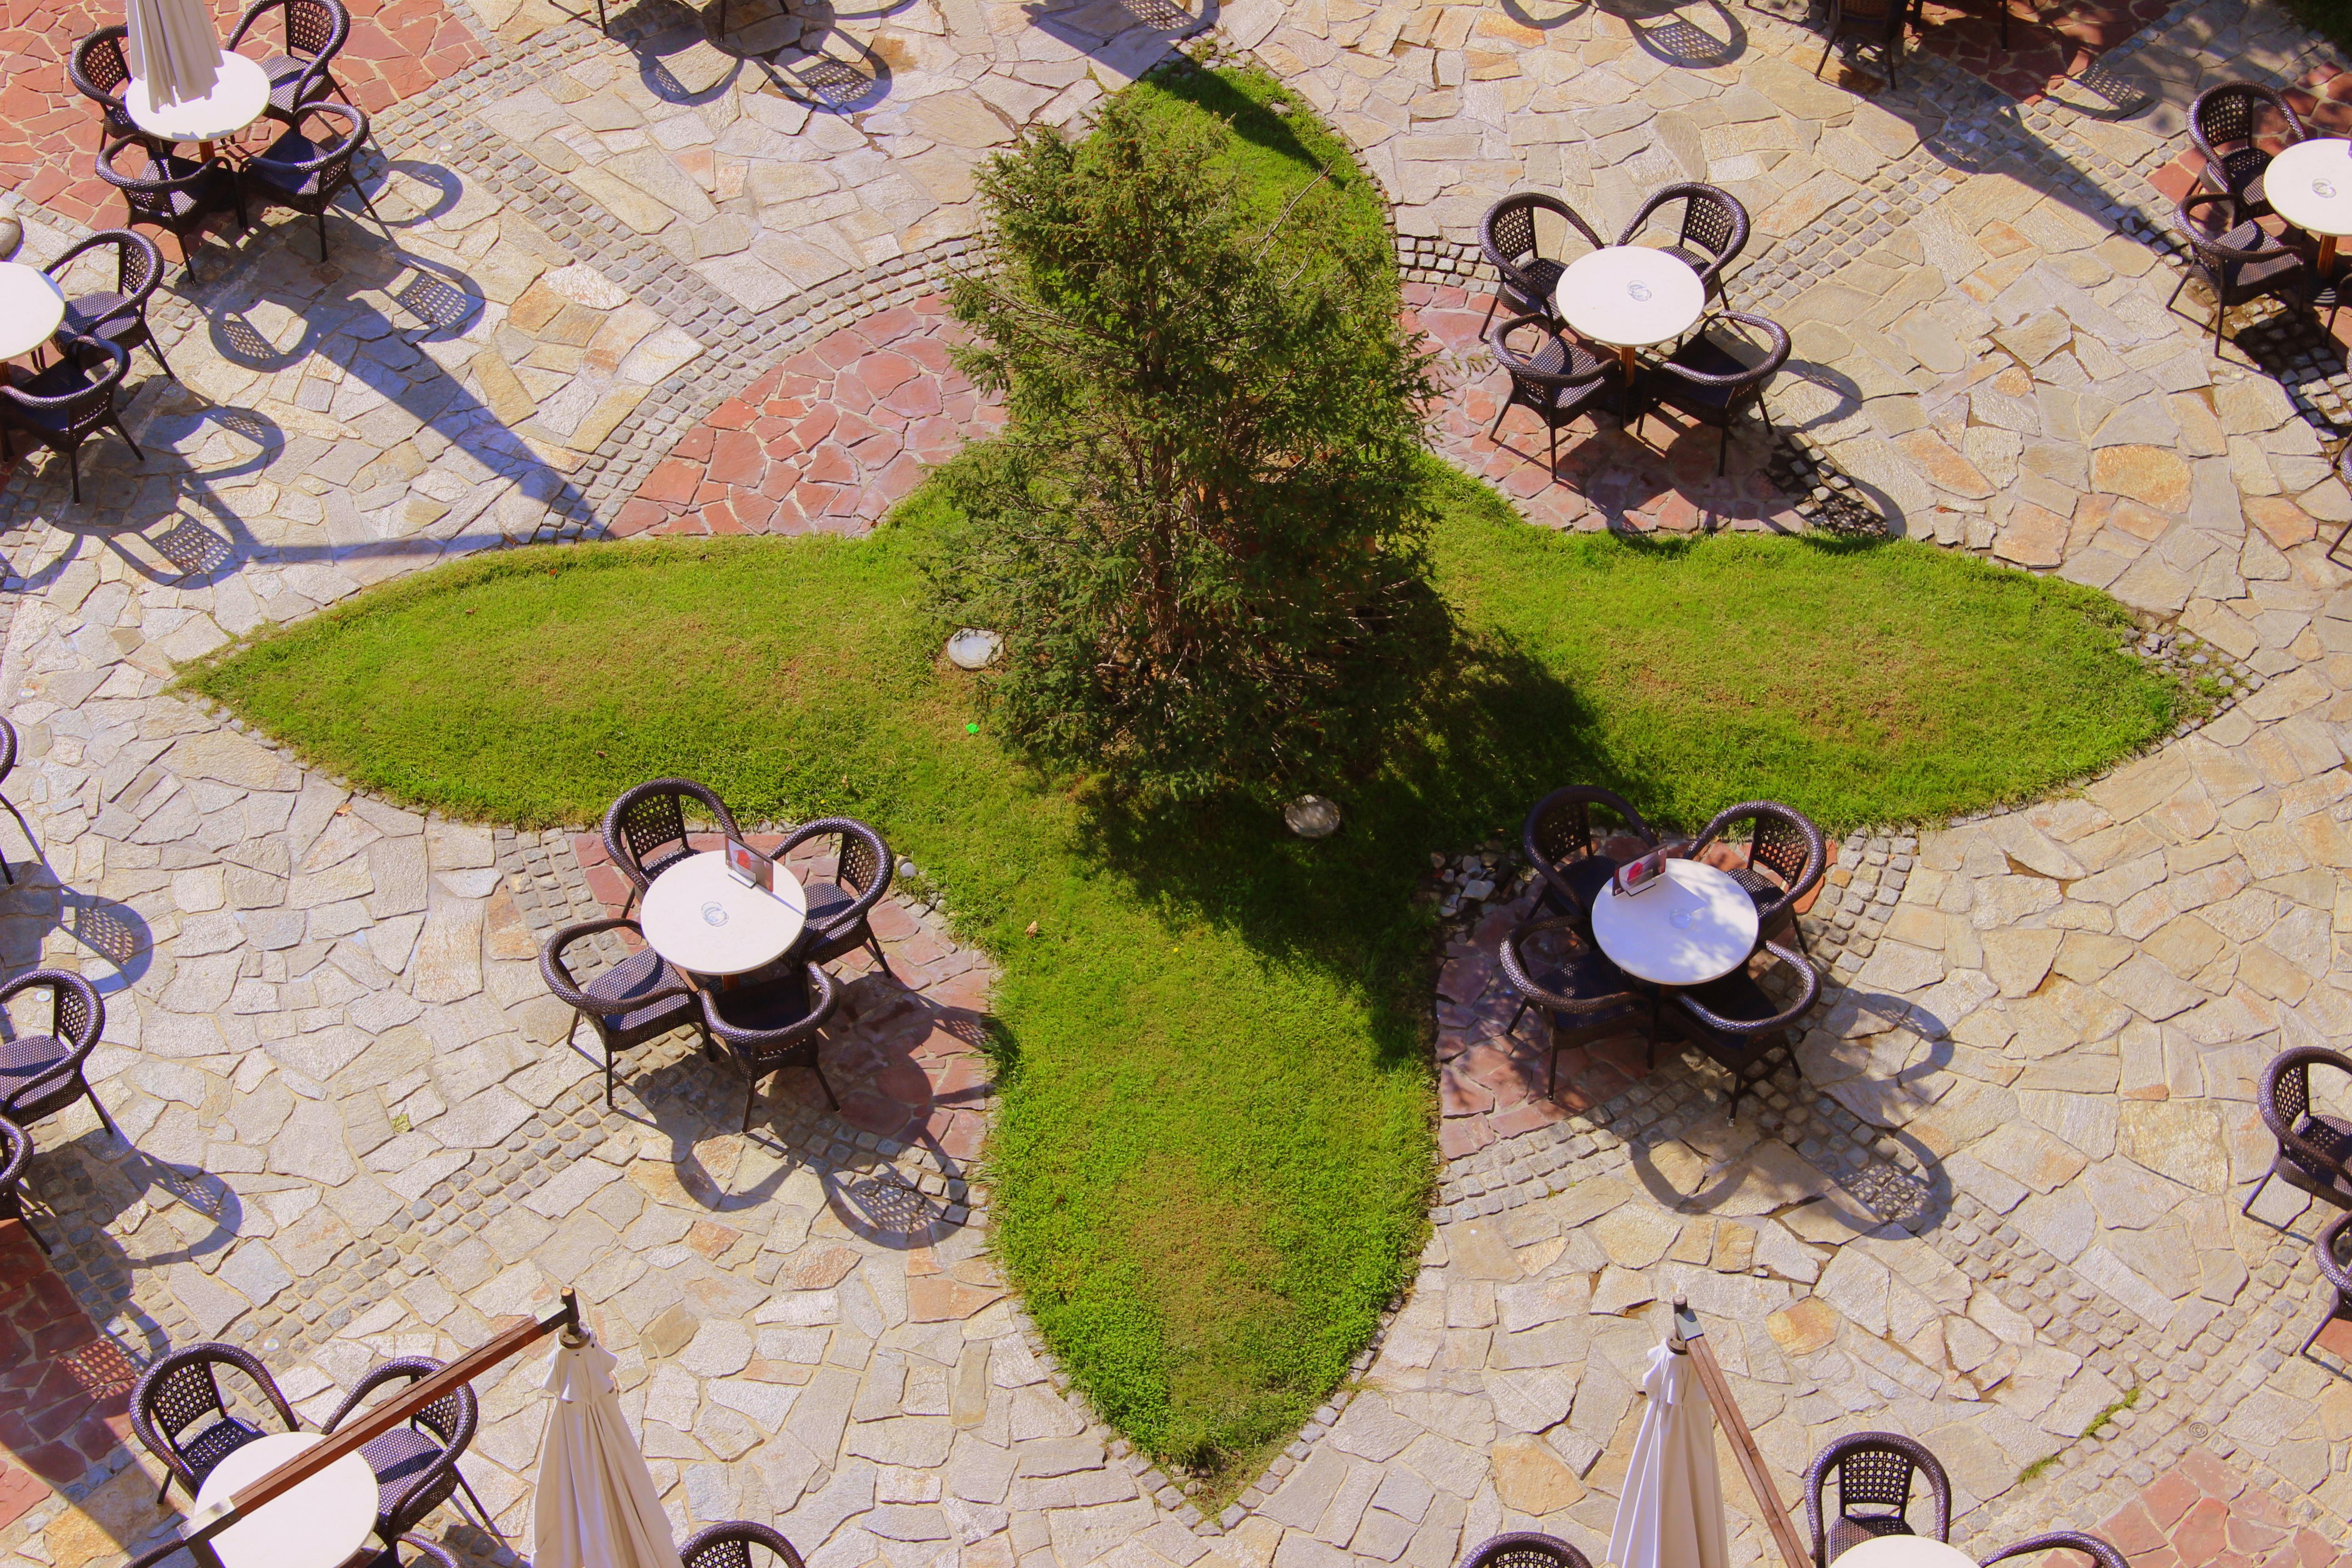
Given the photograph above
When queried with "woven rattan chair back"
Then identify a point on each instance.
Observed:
(1712, 221)
(864, 858)
(2234, 114)
(1875, 1471)
(2282, 1099)
(99, 68)
(730, 1545)
(1525, 1548)
(312, 27)
(651, 817)
(182, 1389)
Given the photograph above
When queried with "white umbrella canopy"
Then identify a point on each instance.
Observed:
(173, 48)
(1671, 1515)
(596, 1506)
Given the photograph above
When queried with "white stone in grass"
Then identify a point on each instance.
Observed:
(972, 648)
(1312, 816)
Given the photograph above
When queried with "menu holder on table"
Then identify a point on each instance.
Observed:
(751, 867)
(1640, 875)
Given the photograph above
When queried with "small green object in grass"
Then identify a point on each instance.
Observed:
(971, 729)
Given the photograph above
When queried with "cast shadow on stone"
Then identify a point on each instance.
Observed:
(1552, 16)
(104, 929)
(1666, 34)
(1127, 36)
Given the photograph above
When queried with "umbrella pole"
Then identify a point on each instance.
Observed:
(1689, 1337)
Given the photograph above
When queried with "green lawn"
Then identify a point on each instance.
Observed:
(1216, 1134)
(1215, 1138)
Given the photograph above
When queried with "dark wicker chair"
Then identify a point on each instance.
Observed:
(2229, 123)
(2315, 1151)
(644, 830)
(1738, 1024)
(2234, 258)
(7, 767)
(1875, 1471)
(772, 1022)
(99, 68)
(16, 1149)
(1562, 842)
(838, 906)
(1714, 230)
(1524, 275)
(1588, 997)
(178, 1412)
(415, 1465)
(412, 1551)
(2333, 1252)
(119, 315)
(728, 1545)
(306, 170)
(1525, 1548)
(1782, 841)
(1704, 381)
(66, 404)
(2090, 1546)
(641, 998)
(315, 33)
(1879, 22)
(1555, 375)
(40, 1075)
(178, 195)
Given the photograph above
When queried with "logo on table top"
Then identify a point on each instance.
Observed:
(714, 913)
(2323, 188)
(1680, 919)
(1639, 290)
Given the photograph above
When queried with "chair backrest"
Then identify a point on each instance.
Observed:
(1538, 363)
(1506, 234)
(2235, 114)
(84, 409)
(1525, 1548)
(2099, 1552)
(730, 1545)
(1714, 223)
(1511, 956)
(99, 68)
(1738, 388)
(651, 814)
(1560, 829)
(138, 264)
(2332, 1250)
(16, 1148)
(7, 748)
(76, 1012)
(1888, 14)
(2282, 1099)
(1875, 1471)
(1782, 839)
(2218, 231)
(183, 1388)
(315, 29)
(330, 164)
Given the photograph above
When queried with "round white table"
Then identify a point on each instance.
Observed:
(1904, 1552)
(1629, 297)
(702, 919)
(240, 92)
(318, 1525)
(2310, 185)
(1694, 925)
(31, 309)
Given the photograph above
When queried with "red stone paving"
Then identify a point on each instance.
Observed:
(2046, 42)
(48, 132)
(905, 1059)
(823, 443)
(828, 440)
(64, 1389)
(2199, 1513)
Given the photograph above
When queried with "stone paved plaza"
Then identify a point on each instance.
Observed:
(657, 282)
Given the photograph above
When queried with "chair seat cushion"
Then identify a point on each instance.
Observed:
(285, 74)
(1851, 1530)
(97, 315)
(27, 1057)
(2332, 1135)
(1585, 974)
(1736, 996)
(399, 1459)
(274, 165)
(634, 976)
(1587, 873)
(216, 1442)
(767, 1005)
(1707, 357)
(1542, 276)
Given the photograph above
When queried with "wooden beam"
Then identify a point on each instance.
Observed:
(1690, 1339)
(210, 1520)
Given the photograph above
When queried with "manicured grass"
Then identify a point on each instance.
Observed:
(1215, 1138)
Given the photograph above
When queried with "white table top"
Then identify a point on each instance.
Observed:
(1693, 925)
(318, 1525)
(701, 919)
(31, 309)
(1629, 296)
(2310, 185)
(240, 92)
(1904, 1552)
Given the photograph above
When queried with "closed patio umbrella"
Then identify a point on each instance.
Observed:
(596, 1506)
(1671, 1515)
(172, 47)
